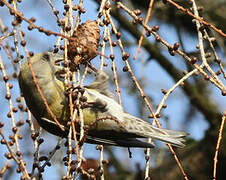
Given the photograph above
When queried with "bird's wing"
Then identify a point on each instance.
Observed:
(144, 129)
(53, 128)
(100, 84)
(132, 142)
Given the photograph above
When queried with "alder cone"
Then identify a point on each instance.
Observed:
(84, 45)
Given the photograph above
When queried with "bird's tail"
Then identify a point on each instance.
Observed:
(145, 129)
(175, 138)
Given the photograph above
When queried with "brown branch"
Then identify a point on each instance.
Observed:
(47, 32)
(143, 31)
(95, 123)
(197, 18)
(198, 100)
(43, 97)
(220, 135)
(125, 57)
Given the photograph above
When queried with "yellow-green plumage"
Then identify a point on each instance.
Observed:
(123, 131)
(53, 90)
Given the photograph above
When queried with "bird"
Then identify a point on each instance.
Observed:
(107, 122)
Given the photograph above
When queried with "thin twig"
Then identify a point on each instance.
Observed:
(220, 135)
(201, 45)
(178, 83)
(197, 18)
(143, 31)
(181, 53)
(142, 94)
(113, 61)
(43, 97)
(23, 168)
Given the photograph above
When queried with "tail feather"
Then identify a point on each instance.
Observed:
(177, 142)
(141, 128)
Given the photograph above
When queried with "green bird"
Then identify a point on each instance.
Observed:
(107, 122)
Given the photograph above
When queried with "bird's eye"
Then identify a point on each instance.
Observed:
(46, 57)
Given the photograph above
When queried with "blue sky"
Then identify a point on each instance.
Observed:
(156, 77)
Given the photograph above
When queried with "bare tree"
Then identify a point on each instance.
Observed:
(158, 53)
